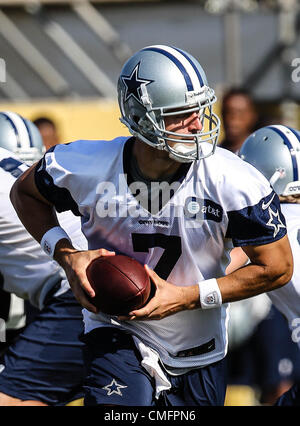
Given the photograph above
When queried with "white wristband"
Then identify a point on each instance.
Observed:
(210, 295)
(51, 238)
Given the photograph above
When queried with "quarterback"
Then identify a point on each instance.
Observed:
(171, 351)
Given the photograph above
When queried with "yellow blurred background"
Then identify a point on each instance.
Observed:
(83, 119)
(75, 119)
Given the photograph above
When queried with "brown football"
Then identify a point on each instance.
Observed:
(120, 282)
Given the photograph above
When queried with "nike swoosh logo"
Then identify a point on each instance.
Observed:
(265, 206)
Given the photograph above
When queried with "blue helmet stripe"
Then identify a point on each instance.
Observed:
(185, 74)
(192, 63)
(14, 127)
(291, 149)
(28, 131)
(297, 134)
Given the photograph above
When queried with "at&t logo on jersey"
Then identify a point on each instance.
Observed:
(202, 209)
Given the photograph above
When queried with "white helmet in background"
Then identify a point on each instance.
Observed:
(275, 151)
(20, 136)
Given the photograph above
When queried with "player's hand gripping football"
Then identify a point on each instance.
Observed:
(167, 300)
(75, 264)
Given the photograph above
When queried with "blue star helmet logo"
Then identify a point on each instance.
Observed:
(133, 84)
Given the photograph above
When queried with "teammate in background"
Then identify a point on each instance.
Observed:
(48, 131)
(260, 370)
(172, 351)
(275, 151)
(240, 118)
(44, 366)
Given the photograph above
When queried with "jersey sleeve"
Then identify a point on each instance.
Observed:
(56, 178)
(252, 206)
(69, 174)
(259, 224)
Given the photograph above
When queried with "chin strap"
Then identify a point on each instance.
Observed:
(279, 174)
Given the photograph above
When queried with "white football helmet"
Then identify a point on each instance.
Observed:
(20, 136)
(160, 81)
(275, 151)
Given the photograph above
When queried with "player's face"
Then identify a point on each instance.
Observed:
(185, 124)
(189, 123)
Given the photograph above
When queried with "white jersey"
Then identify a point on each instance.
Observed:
(221, 201)
(287, 298)
(27, 271)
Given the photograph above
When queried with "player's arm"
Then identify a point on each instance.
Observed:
(38, 216)
(260, 231)
(35, 212)
(271, 267)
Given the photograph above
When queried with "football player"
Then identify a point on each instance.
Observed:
(275, 151)
(253, 319)
(170, 198)
(44, 366)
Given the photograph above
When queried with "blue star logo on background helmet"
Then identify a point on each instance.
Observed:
(133, 84)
